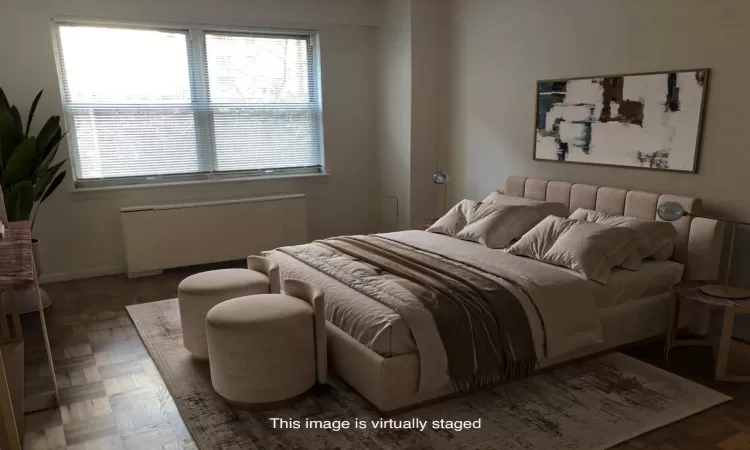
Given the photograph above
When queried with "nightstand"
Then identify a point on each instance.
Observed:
(425, 223)
(689, 291)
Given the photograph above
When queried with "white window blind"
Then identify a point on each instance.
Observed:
(150, 105)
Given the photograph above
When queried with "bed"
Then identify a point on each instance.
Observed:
(388, 359)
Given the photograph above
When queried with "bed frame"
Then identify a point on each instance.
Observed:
(390, 383)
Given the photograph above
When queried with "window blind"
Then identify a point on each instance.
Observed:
(145, 105)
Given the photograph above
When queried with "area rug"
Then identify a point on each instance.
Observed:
(593, 404)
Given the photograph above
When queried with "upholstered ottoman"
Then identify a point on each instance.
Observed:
(198, 293)
(265, 350)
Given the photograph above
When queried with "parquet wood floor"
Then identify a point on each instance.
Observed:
(113, 397)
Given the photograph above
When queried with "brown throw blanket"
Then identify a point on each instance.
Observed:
(483, 326)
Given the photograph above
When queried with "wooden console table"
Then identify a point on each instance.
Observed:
(17, 270)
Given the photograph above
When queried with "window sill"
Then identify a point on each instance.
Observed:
(81, 190)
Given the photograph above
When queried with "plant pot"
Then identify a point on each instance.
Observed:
(26, 297)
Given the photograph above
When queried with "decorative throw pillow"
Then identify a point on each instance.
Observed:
(544, 208)
(654, 237)
(455, 219)
(664, 252)
(496, 226)
(591, 249)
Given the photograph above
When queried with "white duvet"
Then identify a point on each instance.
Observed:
(560, 305)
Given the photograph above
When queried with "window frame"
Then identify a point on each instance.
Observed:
(205, 137)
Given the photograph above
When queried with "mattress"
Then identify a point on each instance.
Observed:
(384, 331)
(653, 278)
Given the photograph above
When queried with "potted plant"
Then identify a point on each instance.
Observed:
(27, 175)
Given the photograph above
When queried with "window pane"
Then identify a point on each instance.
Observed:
(128, 94)
(115, 143)
(257, 69)
(266, 138)
(263, 102)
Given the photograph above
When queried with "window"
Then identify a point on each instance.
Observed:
(157, 105)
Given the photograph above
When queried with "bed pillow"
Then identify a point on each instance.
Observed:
(496, 226)
(544, 208)
(655, 238)
(664, 252)
(591, 249)
(455, 219)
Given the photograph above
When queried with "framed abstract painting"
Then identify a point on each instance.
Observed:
(644, 120)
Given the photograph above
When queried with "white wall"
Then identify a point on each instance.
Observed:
(81, 232)
(412, 84)
(395, 107)
(429, 63)
(503, 46)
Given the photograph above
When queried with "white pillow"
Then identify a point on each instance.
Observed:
(544, 208)
(494, 226)
(655, 238)
(590, 249)
(455, 219)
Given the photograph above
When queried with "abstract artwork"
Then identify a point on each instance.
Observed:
(649, 120)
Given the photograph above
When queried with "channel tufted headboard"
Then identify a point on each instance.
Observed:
(699, 240)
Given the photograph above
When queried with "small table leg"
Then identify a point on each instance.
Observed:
(724, 344)
(47, 347)
(712, 333)
(6, 406)
(673, 324)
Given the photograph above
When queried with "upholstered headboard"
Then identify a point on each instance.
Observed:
(699, 241)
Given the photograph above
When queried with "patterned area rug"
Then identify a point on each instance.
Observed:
(593, 404)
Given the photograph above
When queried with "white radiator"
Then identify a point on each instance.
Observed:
(165, 236)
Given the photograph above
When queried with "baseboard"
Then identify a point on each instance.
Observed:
(47, 277)
(145, 273)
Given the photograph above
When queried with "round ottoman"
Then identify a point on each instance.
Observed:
(198, 293)
(265, 349)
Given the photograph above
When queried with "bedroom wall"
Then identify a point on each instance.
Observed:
(502, 47)
(394, 120)
(81, 231)
(413, 81)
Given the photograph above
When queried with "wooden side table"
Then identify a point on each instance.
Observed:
(425, 224)
(689, 291)
(17, 269)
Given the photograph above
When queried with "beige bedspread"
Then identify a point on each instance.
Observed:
(482, 326)
(560, 306)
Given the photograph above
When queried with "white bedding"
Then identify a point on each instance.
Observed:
(652, 278)
(383, 331)
(559, 304)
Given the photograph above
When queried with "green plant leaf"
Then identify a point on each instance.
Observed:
(47, 135)
(20, 201)
(32, 110)
(41, 185)
(21, 164)
(4, 105)
(55, 183)
(8, 141)
(17, 124)
(54, 142)
(44, 165)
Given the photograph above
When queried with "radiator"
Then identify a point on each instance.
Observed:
(166, 236)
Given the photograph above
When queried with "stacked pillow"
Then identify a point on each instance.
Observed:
(655, 239)
(589, 242)
(494, 226)
(543, 208)
(591, 249)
